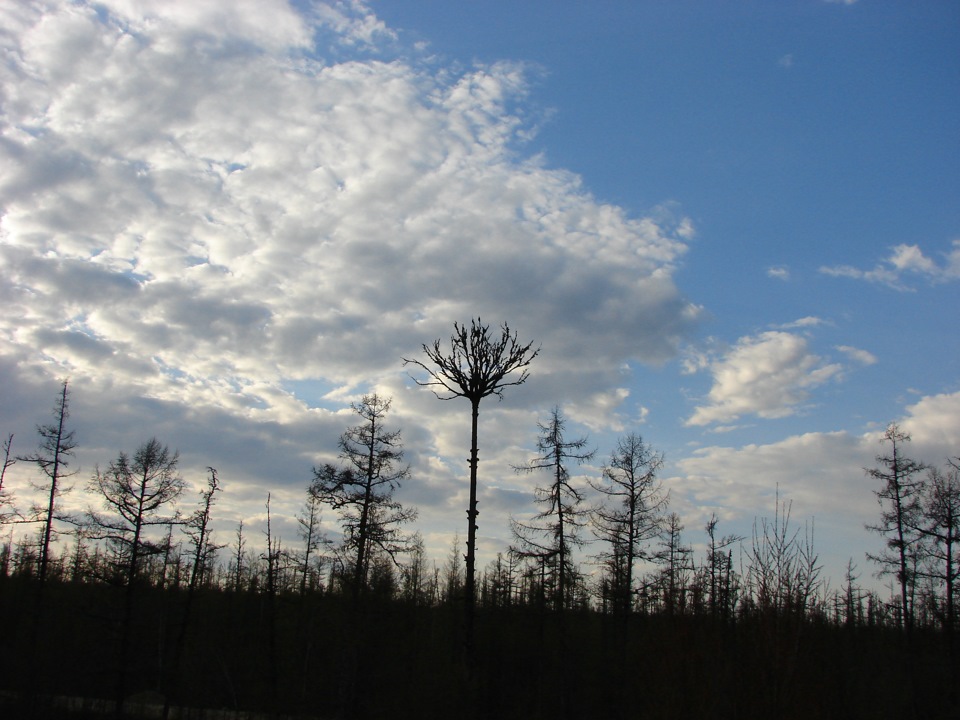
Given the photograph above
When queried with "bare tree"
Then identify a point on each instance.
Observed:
(362, 492)
(415, 576)
(453, 572)
(136, 492)
(784, 570)
(239, 556)
(631, 516)
(308, 526)
(720, 569)
(940, 529)
(553, 534)
(476, 366)
(675, 556)
(56, 446)
(899, 496)
(198, 528)
(272, 557)
(6, 497)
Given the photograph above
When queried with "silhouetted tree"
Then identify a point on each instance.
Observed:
(631, 514)
(7, 510)
(675, 556)
(453, 572)
(308, 526)
(940, 529)
(553, 534)
(136, 492)
(272, 557)
(362, 492)
(416, 586)
(238, 564)
(720, 569)
(784, 570)
(56, 446)
(476, 366)
(203, 553)
(852, 597)
(899, 495)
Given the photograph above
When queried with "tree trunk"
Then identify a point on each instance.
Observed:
(469, 591)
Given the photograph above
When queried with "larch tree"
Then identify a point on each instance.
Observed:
(675, 557)
(940, 529)
(721, 596)
(477, 365)
(630, 516)
(7, 509)
(203, 553)
(361, 490)
(899, 496)
(139, 494)
(554, 533)
(309, 529)
(56, 447)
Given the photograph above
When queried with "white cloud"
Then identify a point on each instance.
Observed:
(904, 260)
(863, 357)
(779, 272)
(804, 322)
(822, 473)
(767, 375)
(199, 210)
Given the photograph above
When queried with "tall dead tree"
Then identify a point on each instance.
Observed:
(56, 446)
(899, 496)
(630, 516)
(940, 529)
(553, 534)
(136, 492)
(7, 509)
(476, 366)
(203, 551)
(362, 491)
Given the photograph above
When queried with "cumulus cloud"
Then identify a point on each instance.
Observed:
(205, 204)
(823, 473)
(768, 375)
(905, 261)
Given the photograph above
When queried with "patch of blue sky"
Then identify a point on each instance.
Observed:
(313, 393)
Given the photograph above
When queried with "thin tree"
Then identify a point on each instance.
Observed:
(631, 514)
(203, 552)
(899, 497)
(239, 554)
(720, 568)
(272, 558)
(476, 366)
(675, 556)
(308, 526)
(6, 497)
(940, 528)
(940, 505)
(56, 446)
(554, 533)
(136, 492)
(362, 492)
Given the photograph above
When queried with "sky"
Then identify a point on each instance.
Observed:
(733, 228)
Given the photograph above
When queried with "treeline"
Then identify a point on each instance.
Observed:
(598, 608)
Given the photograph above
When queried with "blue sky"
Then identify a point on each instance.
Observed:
(732, 227)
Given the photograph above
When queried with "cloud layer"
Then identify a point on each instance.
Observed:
(223, 221)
